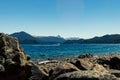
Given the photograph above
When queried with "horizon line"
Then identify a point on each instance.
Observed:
(63, 36)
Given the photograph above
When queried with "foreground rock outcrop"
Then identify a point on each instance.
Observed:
(14, 64)
(81, 68)
(73, 69)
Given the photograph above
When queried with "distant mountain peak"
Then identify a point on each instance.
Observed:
(59, 36)
(21, 32)
(22, 35)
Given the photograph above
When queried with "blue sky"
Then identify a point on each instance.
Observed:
(68, 18)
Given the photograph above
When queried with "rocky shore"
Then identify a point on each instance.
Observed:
(16, 65)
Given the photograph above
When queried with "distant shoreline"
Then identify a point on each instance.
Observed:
(26, 38)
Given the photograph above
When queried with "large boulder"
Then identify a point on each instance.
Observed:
(84, 64)
(14, 64)
(115, 63)
(110, 61)
(86, 75)
(62, 68)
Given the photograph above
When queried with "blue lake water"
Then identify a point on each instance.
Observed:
(43, 52)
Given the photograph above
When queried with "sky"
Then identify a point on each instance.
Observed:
(68, 18)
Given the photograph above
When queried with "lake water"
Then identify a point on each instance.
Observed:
(43, 52)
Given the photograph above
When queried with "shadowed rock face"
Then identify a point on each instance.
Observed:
(14, 64)
(115, 63)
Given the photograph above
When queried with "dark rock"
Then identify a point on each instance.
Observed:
(14, 64)
(104, 61)
(85, 56)
(115, 63)
(110, 61)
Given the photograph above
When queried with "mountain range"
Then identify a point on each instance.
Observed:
(26, 38)
(106, 39)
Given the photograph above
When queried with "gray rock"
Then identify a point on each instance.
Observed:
(84, 64)
(86, 75)
(37, 73)
(62, 68)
